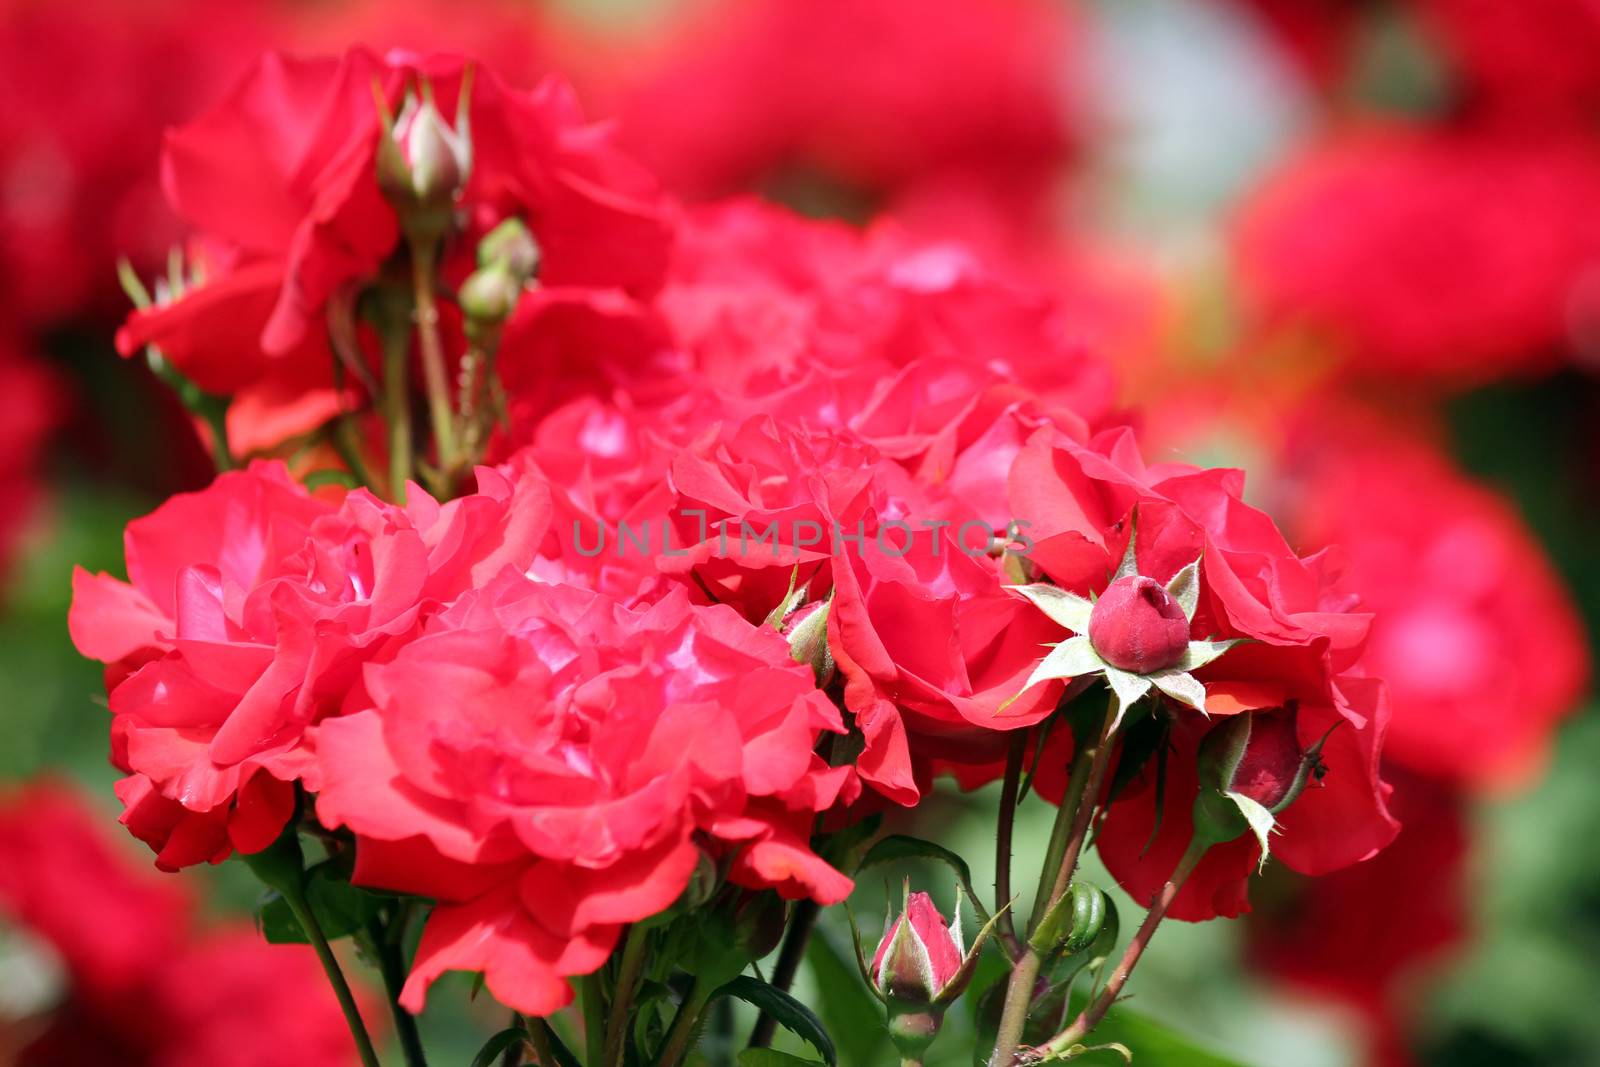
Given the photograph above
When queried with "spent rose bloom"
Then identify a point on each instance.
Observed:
(249, 609)
(589, 755)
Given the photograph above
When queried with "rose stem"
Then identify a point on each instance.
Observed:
(1090, 1017)
(385, 940)
(788, 965)
(1002, 838)
(627, 981)
(684, 1025)
(1080, 800)
(341, 989)
(435, 376)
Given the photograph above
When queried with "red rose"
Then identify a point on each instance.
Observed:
(141, 985)
(1351, 936)
(250, 611)
(866, 98)
(1481, 645)
(297, 142)
(587, 754)
(1084, 502)
(1528, 63)
(1444, 256)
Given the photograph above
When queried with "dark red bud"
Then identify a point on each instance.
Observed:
(1137, 626)
(1270, 768)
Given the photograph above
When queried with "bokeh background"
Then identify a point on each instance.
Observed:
(1352, 246)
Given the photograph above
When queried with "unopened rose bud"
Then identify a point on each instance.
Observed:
(1251, 764)
(488, 297)
(423, 163)
(512, 244)
(919, 955)
(807, 631)
(758, 923)
(436, 159)
(1138, 626)
(920, 968)
(1272, 769)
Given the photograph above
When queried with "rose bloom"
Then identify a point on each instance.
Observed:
(1480, 642)
(77, 189)
(1538, 60)
(589, 756)
(249, 609)
(850, 104)
(297, 140)
(1352, 938)
(1428, 255)
(1085, 500)
(139, 985)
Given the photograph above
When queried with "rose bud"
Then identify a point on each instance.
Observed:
(487, 298)
(422, 162)
(1252, 767)
(920, 969)
(1138, 626)
(807, 632)
(512, 244)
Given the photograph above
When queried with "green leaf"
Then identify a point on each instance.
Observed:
(848, 1008)
(1065, 609)
(1261, 821)
(1072, 658)
(766, 1057)
(1185, 589)
(1153, 1043)
(340, 908)
(897, 847)
(1200, 653)
(789, 1012)
(496, 1046)
(1184, 688)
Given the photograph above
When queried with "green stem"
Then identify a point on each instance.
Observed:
(788, 965)
(434, 373)
(594, 1021)
(386, 948)
(341, 988)
(539, 1037)
(1090, 1017)
(1083, 793)
(632, 965)
(681, 1037)
(1061, 831)
(397, 408)
(1002, 837)
(1083, 817)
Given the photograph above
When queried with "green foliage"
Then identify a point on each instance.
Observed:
(789, 1012)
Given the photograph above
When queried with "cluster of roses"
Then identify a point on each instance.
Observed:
(405, 273)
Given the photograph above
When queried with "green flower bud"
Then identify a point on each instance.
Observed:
(513, 244)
